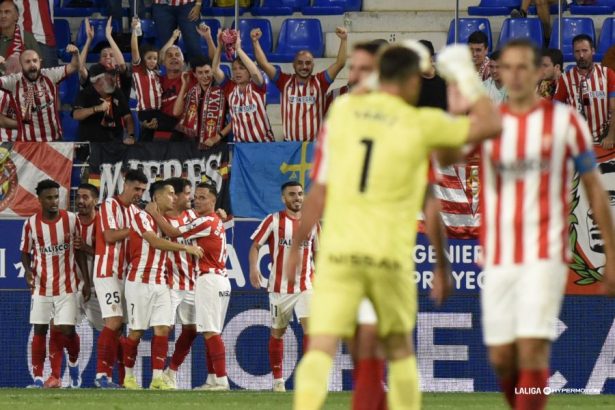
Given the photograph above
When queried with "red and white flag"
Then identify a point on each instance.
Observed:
(23, 165)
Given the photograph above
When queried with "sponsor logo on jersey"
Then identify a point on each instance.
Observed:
(365, 261)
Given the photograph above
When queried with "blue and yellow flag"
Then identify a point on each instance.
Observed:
(259, 170)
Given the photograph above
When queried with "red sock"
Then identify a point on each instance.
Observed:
(210, 363)
(160, 348)
(508, 384)
(107, 351)
(39, 351)
(276, 356)
(368, 390)
(129, 349)
(532, 379)
(182, 347)
(218, 354)
(306, 343)
(56, 351)
(73, 346)
(121, 369)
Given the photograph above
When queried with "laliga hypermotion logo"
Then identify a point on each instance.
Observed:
(8, 178)
(586, 242)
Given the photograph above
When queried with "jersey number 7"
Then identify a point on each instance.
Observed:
(369, 143)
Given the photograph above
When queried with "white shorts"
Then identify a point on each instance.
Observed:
(212, 296)
(367, 313)
(522, 301)
(110, 294)
(148, 305)
(282, 305)
(182, 307)
(62, 309)
(91, 310)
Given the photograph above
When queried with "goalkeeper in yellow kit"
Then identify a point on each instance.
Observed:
(368, 183)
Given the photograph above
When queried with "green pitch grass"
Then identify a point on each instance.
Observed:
(87, 399)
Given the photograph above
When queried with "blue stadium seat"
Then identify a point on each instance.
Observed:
(68, 89)
(273, 94)
(246, 25)
(553, 9)
(599, 7)
(607, 38)
(227, 71)
(572, 26)
(61, 30)
(78, 8)
(331, 7)
(274, 8)
(150, 35)
(297, 35)
(209, 10)
(135, 120)
(494, 7)
(69, 126)
(527, 28)
(99, 37)
(214, 25)
(468, 26)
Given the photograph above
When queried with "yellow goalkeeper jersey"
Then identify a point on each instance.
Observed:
(373, 157)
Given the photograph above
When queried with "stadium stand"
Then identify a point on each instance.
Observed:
(493, 8)
(467, 26)
(266, 41)
(274, 8)
(607, 38)
(571, 27)
(296, 35)
(99, 41)
(331, 7)
(72, 8)
(596, 7)
(529, 28)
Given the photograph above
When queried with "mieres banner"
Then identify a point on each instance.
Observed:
(23, 165)
(108, 163)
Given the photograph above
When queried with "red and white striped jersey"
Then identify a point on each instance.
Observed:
(248, 112)
(37, 103)
(277, 232)
(88, 234)
(208, 233)
(180, 265)
(147, 264)
(174, 2)
(36, 17)
(589, 95)
(53, 255)
(110, 259)
(8, 109)
(526, 175)
(147, 87)
(303, 105)
(333, 94)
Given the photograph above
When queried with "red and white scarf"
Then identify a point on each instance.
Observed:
(17, 46)
(209, 121)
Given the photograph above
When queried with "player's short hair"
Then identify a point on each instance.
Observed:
(397, 64)
(527, 44)
(290, 184)
(478, 37)
(429, 46)
(370, 47)
(555, 55)
(92, 188)
(46, 184)
(495, 56)
(157, 187)
(199, 61)
(135, 175)
(210, 186)
(583, 37)
(178, 183)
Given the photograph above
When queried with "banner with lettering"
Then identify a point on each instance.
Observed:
(159, 160)
(259, 170)
(23, 165)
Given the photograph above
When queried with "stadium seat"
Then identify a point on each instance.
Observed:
(273, 94)
(69, 126)
(527, 28)
(494, 7)
(553, 9)
(572, 26)
(246, 25)
(78, 8)
(214, 25)
(99, 41)
(135, 119)
(150, 35)
(597, 8)
(297, 35)
(68, 89)
(61, 30)
(468, 26)
(607, 38)
(208, 9)
(274, 8)
(331, 7)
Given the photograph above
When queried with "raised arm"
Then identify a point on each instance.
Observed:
(342, 53)
(75, 61)
(215, 65)
(178, 107)
(83, 57)
(205, 32)
(117, 53)
(134, 42)
(169, 43)
(255, 73)
(261, 58)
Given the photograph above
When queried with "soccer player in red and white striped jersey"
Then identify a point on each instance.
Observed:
(303, 93)
(49, 257)
(9, 125)
(526, 176)
(148, 299)
(36, 95)
(276, 231)
(246, 97)
(590, 88)
(110, 263)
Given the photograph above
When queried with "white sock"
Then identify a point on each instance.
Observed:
(172, 372)
(157, 373)
(38, 378)
(211, 379)
(222, 381)
(99, 375)
(278, 380)
(129, 371)
(73, 364)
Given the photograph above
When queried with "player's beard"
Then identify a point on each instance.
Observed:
(584, 63)
(32, 74)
